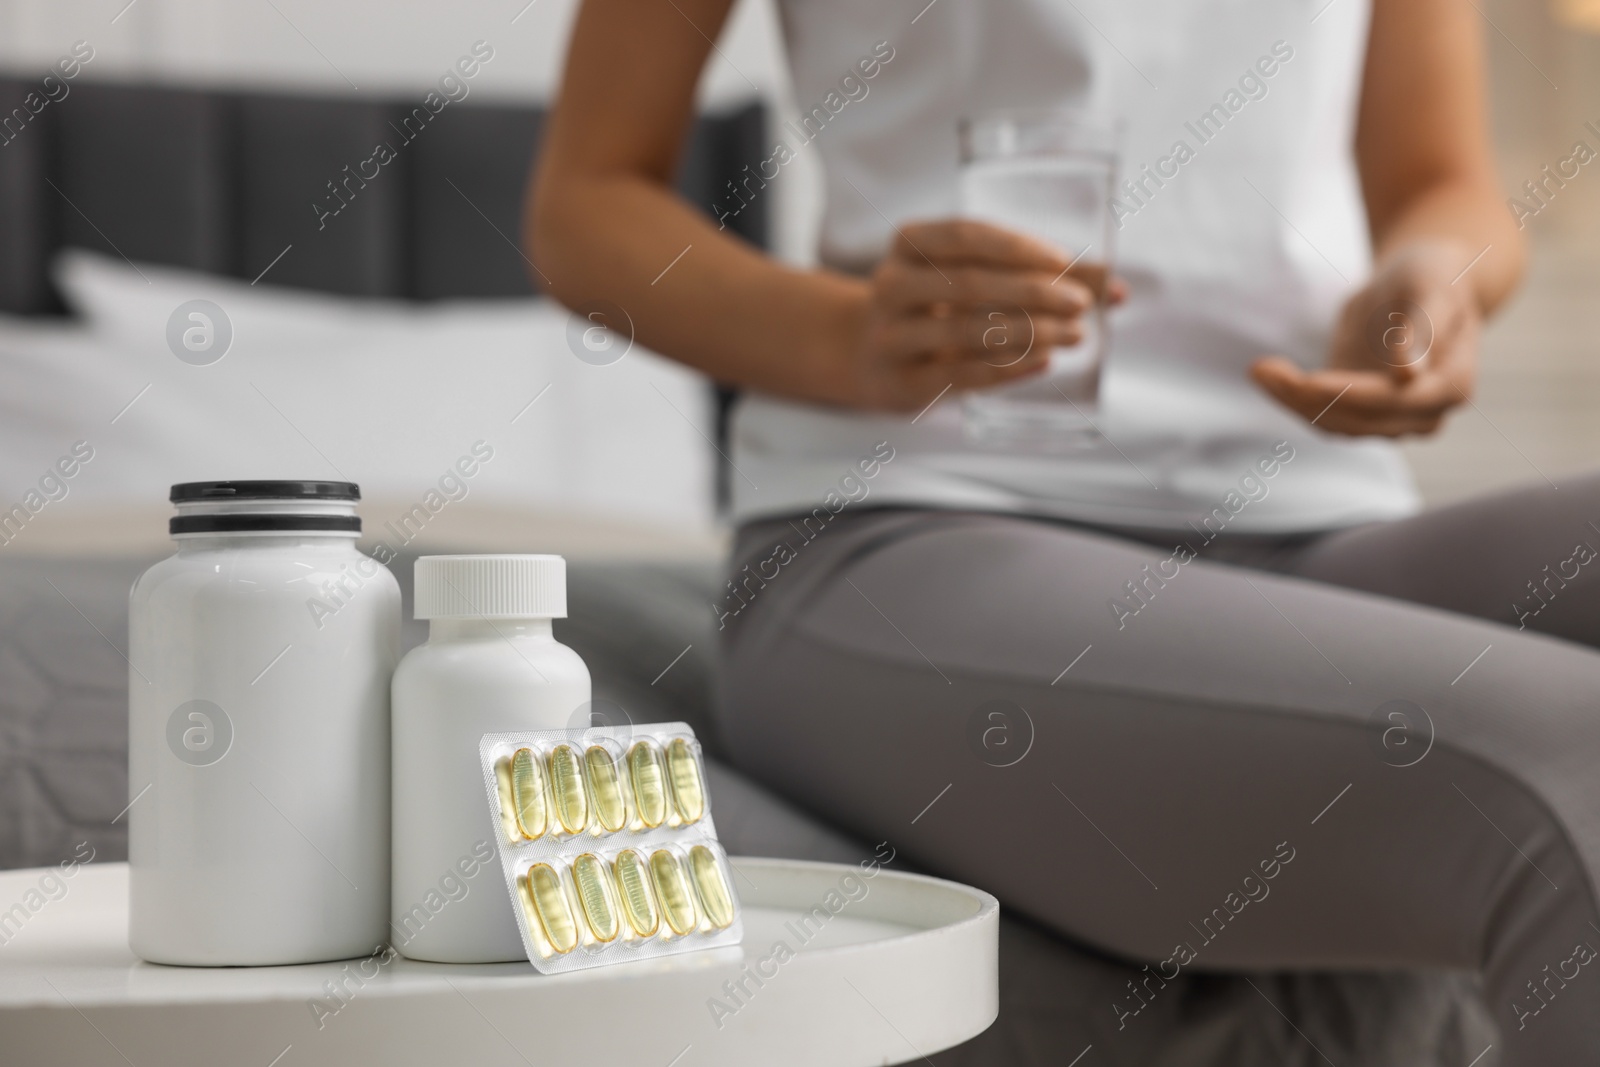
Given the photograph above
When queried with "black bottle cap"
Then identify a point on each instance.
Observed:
(187, 492)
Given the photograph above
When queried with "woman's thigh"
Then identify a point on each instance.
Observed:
(1245, 769)
(1528, 558)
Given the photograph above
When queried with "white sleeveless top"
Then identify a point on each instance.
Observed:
(1248, 247)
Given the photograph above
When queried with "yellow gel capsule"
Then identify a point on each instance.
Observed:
(594, 889)
(572, 801)
(638, 903)
(672, 889)
(529, 912)
(688, 793)
(713, 887)
(649, 785)
(550, 905)
(604, 788)
(527, 795)
(508, 803)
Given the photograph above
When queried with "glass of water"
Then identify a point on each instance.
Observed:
(1052, 175)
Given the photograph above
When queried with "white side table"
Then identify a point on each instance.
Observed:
(903, 971)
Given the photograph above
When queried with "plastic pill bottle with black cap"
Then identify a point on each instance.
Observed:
(259, 661)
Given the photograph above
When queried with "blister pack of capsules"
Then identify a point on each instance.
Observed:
(607, 844)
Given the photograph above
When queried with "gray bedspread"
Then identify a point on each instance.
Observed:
(63, 780)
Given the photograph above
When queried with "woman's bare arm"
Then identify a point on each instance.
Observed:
(604, 222)
(1422, 142)
(1447, 250)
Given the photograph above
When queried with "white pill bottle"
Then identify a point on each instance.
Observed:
(258, 731)
(491, 664)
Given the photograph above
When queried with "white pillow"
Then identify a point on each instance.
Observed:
(61, 387)
(389, 395)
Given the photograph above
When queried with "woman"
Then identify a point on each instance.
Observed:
(1214, 694)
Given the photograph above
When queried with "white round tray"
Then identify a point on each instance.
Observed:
(905, 970)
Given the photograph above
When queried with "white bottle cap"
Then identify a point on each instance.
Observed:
(494, 587)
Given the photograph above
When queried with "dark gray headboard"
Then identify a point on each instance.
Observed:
(226, 181)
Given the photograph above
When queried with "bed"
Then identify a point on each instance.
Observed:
(192, 191)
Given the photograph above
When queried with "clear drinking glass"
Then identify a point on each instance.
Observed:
(1050, 174)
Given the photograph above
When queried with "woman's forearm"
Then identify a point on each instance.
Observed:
(1422, 144)
(1472, 216)
(695, 293)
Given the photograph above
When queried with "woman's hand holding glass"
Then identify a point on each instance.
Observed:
(1404, 352)
(959, 305)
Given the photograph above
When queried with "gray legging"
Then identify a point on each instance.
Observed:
(1371, 748)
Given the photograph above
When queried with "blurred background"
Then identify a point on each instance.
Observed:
(1533, 417)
